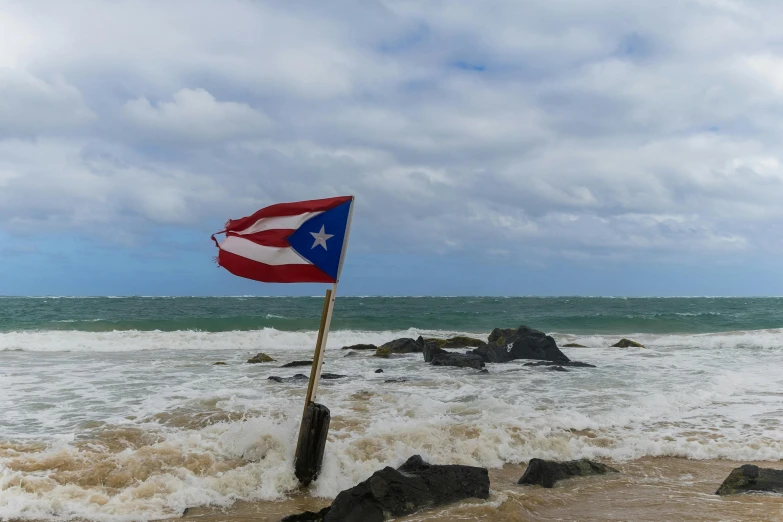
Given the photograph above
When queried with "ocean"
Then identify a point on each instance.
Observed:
(111, 408)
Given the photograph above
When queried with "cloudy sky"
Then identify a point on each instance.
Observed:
(566, 147)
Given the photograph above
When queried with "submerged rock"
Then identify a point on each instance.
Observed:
(360, 347)
(398, 492)
(458, 341)
(572, 364)
(627, 343)
(297, 377)
(351, 354)
(219, 363)
(398, 379)
(302, 377)
(457, 359)
(260, 358)
(556, 369)
(749, 478)
(383, 352)
(332, 376)
(522, 343)
(294, 364)
(574, 345)
(547, 472)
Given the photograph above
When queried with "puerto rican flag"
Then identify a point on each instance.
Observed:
(301, 242)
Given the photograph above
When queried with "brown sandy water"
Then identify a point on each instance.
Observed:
(649, 489)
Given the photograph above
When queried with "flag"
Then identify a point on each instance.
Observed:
(301, 242)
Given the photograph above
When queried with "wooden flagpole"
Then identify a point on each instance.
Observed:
(315, 417)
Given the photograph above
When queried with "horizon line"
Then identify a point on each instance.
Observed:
(529, 296)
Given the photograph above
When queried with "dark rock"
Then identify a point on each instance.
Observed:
(457, 359)
(574, 345)
(627, 343)
(219, 363)
(383, 352)
(572, 364)
(297, 377)
(430, 350)
(302, 377)
(522, 343)
(414, 485)
(378, 371)
(332, 376)
(547, 472)
(459, 341)
(294, 364)
(360, 347)
(749, 478)
(484, 371)
(260, 358)
(556, 369)
(404, 345)
(351, 354)
(308, 516)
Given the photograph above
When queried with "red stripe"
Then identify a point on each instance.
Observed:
(286, 209)
(243, 267)
(271, 238)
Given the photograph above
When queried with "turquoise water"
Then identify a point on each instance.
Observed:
(578, 315)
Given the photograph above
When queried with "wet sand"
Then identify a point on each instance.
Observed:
(649, 489)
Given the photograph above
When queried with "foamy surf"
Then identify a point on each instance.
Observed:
(139, 425)
(271, 338)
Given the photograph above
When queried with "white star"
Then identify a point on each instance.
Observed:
(320, 238)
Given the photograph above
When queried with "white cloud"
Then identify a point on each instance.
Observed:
(558, 128)
(30, 106)
(195, 115)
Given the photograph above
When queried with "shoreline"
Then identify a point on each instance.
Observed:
(650, 488)
(647, 489)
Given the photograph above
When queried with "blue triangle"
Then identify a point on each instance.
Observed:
(334, 223)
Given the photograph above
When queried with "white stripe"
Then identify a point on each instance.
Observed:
(279, 222)
(262, 254)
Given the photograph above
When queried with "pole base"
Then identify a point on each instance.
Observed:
(311, 444)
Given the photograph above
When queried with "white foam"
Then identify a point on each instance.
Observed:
(694, 396)
(751, 339)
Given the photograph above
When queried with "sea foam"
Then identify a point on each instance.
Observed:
(139, 425)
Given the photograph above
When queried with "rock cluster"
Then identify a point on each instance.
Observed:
(501, 346)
